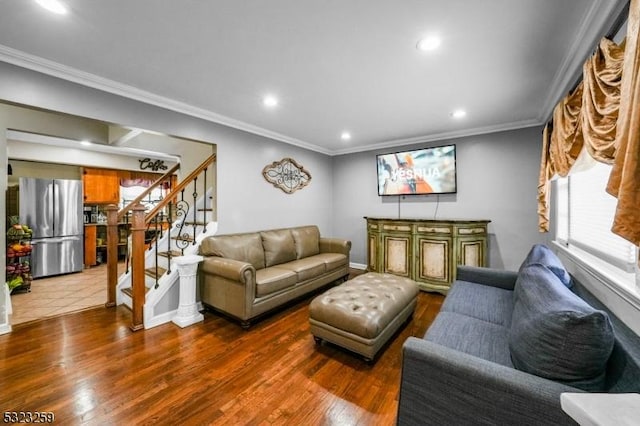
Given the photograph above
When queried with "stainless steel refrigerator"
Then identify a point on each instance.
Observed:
(53, 209)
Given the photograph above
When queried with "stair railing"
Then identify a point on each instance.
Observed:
(114, 217)
(156, 223)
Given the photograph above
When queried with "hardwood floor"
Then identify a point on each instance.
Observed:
(89, 368)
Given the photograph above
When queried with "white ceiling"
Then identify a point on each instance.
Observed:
(335, 65)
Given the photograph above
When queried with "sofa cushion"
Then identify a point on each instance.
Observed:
(491, 304)
(307, 241)
(543, 255)
(332, 260)
(279, 246)
(306, 268)
(242, 247)
(272, 279)
(557, 335)
(472, 336)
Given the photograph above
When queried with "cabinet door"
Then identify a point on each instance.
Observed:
(90, 235)
(433, 260)
(471, 251)
(396, 254)
(471, 245)
(372, 252)
(101, 186)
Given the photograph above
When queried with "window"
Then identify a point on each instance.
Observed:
(584, 214)
(128, 194)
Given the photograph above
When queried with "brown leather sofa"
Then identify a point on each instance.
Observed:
(246, 275)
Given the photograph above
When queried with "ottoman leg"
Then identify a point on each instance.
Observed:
(317, 340)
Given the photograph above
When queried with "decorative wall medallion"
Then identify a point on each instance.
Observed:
(287, 175)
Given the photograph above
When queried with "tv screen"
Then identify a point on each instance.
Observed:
(422, 171)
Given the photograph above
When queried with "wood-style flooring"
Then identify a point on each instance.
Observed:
(89, 368)
(61, 294)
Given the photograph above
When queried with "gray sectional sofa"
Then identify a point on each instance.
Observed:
(506, 344)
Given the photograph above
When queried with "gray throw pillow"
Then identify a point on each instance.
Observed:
(557, 335)
(543, 255)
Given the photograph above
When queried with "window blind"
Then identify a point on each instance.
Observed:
(590, 216)
(562, 210)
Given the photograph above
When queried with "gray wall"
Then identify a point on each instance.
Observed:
(245, 201)
(497, 180)
(497, 173)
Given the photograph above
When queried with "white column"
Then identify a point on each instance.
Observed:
(5, 309)
(187, 309)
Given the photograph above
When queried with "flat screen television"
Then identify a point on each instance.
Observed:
(422, 171)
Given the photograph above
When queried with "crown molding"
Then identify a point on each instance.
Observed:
(593, 26)
(55, 69)
(73, 75)
(443, 136)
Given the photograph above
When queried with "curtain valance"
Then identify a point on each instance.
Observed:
(601, 116)
(624, 181)
(131, 178)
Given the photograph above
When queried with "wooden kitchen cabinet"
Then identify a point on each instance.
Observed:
(90, 234)
(427, 251)
(100, 186)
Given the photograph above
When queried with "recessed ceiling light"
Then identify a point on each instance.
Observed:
(345, 136)
(54, 6)
(458, 113)
(428, 43)
(85, 143)
(270, 101)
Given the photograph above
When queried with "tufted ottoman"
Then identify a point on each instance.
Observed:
(363, 313)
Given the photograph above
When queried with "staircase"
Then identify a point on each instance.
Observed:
(150, 285)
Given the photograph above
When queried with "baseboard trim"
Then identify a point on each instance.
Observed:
(357, 265)
(160, 319)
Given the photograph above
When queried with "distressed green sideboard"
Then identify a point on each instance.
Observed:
(427, 251)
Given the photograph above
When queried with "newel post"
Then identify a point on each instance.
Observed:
(138, 287)
(112, 254)
(187, 309)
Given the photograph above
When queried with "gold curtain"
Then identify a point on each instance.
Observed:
(624, 182)
(543, 182)
(586, 118)
(560, 148)
(602, 75)
(567, 136)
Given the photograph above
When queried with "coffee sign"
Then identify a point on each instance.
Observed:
(154, 165)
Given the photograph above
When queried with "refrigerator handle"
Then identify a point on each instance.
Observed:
(47, 241)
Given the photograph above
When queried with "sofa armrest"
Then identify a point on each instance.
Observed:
(487, 276)
(335, 245)
(440, 385)
(228, 268)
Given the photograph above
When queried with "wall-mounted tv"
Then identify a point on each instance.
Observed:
(422, 171)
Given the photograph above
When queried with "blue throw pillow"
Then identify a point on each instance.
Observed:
(542, 254)
(557, 335)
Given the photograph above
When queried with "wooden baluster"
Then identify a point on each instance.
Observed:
(138, 287)
(112, 254)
